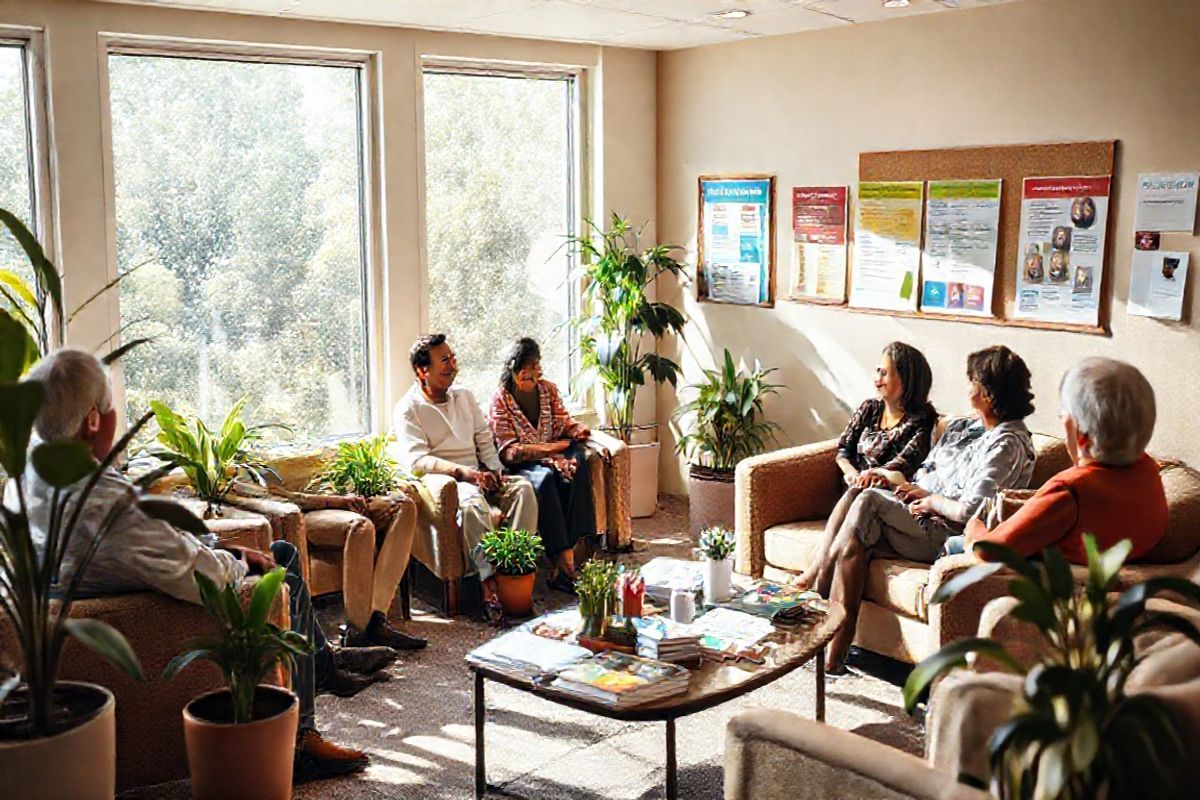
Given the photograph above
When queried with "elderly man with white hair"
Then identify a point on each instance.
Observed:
(1113, 491)
(141, 552)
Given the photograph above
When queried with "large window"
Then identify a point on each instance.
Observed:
(500, 198)
(239, 207)
(16, 155)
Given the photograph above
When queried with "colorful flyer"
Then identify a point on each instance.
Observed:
(1166, 201)
(962, 234)
(735, 240)
(1157, 284)
(1061, 252)
(819, 243)
(887, 245)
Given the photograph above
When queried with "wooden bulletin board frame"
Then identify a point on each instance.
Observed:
(701, 284)
(1012, 164)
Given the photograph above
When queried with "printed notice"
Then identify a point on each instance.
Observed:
(887, 245)
(1061, 251)
(1156, 286)
(819, 243)
(1166, 201)
(735, 241)
(958, 264)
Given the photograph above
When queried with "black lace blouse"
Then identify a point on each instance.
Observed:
(901, 448)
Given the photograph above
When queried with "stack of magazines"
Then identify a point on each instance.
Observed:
(728, 634)
(621, 680)
(778, 602)
(662, 639)
(527, 653)
(663, 574)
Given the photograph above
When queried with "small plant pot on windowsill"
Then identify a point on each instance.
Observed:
(516, 593)
(710, 500)
(253, 759)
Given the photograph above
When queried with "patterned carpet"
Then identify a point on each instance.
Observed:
(418, 725)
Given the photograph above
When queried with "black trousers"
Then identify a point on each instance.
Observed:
(565, 510)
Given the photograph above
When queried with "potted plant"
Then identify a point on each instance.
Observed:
(618, 275)
(212, 461)
(515, 554)
(362, 467)
(241, 740)
(57, 738)
(596, 588)
(716, 545)
(1075, 733)
(728, 426)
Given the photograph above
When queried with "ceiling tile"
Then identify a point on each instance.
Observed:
(556, 19)
(688, 10)
(789, 20)
(679, 35)
(419, 13)
(244, 6)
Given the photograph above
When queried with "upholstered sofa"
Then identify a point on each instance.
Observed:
(784, 498)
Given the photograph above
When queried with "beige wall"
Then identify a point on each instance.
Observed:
(804, 106)
(619, 142)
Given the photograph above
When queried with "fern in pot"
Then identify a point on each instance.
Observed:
(515, 554)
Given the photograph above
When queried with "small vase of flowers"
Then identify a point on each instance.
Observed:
(716, 545)
(597, 591)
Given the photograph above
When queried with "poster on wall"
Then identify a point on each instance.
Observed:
(887, 245)
(819, 243)
(1061, 251)
(962, 234)
(1157, 283)
(1166, 201)
(736, 260)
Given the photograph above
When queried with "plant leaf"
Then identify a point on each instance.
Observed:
(18, 349)
(183, 659)
(63, 463)
(8, 685)
(106, 641)
(953, 656)
(968, 577)
(172, 513)
(19, 405)
(263, 597)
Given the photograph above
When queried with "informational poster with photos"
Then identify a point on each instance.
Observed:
(887, 245)
(735, 259)
(1157, 284)
(819, 243)
(962, 232)
(1061, 251)
(1166, 201)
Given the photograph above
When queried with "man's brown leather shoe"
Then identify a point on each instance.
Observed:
(317, 759)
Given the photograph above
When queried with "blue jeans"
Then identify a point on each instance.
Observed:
(314, 669)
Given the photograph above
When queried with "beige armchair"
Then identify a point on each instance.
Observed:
(784, 498)
(439, 543)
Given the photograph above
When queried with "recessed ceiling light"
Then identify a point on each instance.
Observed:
(731, 13)
(895, 3)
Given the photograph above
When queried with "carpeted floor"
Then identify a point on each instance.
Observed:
(418, 725)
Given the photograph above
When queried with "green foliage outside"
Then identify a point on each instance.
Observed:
(1075, 733)
(363, 467)
(15, 188)
(512, 551)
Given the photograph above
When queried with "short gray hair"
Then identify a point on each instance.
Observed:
(1112, 403)
(75, 382)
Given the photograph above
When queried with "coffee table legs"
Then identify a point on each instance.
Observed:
(480, 769)
(821, 685)
(672, 771)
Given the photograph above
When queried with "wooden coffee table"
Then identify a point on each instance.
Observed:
(711, 685)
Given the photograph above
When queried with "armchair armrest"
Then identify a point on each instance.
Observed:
(776, 755)
(438, 544)
(618, 516)
(959, 617)
(796, 483)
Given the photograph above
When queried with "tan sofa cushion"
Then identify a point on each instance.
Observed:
(330, 526)
(791, 545)
(1182, 538)
(1052, 458)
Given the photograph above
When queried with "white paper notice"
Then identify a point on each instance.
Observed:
(1157, 284)
(1166, 201)
(958, 265)
(887, 245)
(1060, 265)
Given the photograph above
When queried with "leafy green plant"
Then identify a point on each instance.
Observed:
(596, 587)
(361, 467)
(729, 424)
(212, 461)
(512, 551)
(31, 571)
(247, 645)
(617, 275)
(717, 543)
(1076, 733)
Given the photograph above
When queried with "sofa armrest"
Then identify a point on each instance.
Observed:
(959, 617)
(286, 519)
(776, 755)
(438, 543)
(618, 533)
(796, 483)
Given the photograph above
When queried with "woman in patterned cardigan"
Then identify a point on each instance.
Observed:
(538, 439)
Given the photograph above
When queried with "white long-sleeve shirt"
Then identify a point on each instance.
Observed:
(437, 437)
(138, 553)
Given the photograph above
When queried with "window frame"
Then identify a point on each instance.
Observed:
(578, 177)
(366, 64)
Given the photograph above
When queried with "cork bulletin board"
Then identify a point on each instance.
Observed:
(1012, 164)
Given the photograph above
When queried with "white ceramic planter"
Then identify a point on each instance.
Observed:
(643, 479)
(80, 763)
(718, 580)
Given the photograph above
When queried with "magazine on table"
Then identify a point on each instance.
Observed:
(663, 574)
(621, 679)
(528, 653)
(778, 602)
(726, 633)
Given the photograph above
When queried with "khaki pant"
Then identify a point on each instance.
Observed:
(375, 558)
(516, 504)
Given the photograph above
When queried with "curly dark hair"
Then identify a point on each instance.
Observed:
(1005, 380)
(418, 356)
(915, 375)
(524, 351)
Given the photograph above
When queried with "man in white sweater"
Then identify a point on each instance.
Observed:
(441, 428)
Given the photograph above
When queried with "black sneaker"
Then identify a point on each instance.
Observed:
(364, 660)
(380, 632)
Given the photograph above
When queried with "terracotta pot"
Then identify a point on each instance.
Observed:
(251, 760)
(516, 593)
(710, 500)
(77, 763)
(643, 479)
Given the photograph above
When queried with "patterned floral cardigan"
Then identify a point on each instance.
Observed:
(512, 428)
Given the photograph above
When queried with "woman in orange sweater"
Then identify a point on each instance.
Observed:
(1113, 491)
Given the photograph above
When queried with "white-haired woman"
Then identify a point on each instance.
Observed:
(1113, 491)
